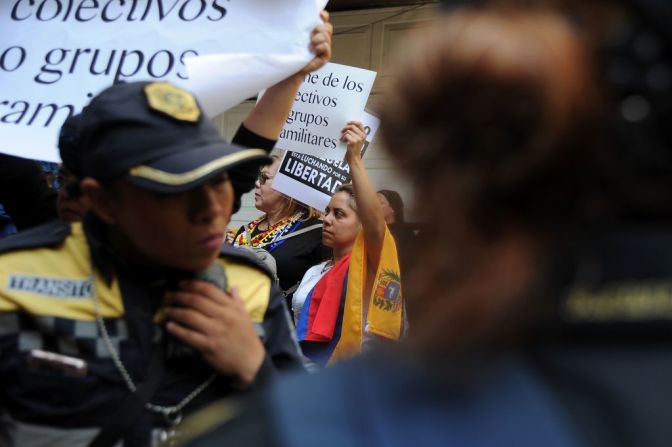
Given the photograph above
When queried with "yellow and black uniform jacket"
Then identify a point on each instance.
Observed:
(49, 277)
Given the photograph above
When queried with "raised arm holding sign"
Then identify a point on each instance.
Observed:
(270, 113)
(55, 56)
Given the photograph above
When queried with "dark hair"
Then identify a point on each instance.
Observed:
(396, 204)
(349, 190)
(501, 145)
(482, 114)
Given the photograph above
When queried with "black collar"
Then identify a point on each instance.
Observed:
(108, 263)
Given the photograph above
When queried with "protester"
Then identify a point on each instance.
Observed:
(289, 231)
(540, 313)
(30, 193)
(276, 102)
(355, 297)
(138, 315)
(404, 233)
(393, 206)
(24, 192)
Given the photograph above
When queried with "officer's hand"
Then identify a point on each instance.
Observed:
(320, 44)
(218, 326)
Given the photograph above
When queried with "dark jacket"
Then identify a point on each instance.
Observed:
(47, 303)
(24, 192)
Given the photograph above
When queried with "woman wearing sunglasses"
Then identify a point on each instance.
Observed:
(288, 230)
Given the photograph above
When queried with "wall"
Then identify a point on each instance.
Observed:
(366, 39)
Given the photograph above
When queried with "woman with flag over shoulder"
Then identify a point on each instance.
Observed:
(355, 297)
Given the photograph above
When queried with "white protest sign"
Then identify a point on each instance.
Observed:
(326, 101)
(313, 180)
(57, 54)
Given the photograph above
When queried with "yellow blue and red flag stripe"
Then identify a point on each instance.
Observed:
(330, 325)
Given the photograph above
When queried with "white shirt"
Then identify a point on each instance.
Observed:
(308, 282)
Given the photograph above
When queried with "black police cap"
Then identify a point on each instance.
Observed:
(155, 135)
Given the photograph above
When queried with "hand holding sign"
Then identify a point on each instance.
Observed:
(320, 44)
(269, 115)
(312, 180)
(53, 59)
(354, 136)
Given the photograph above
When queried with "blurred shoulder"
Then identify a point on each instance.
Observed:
(246, 258)
(50, 234)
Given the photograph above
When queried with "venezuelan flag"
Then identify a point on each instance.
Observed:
(330, 325)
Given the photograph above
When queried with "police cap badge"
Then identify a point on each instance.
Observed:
(172, 101)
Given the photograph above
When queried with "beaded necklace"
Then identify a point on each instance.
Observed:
(265, 239)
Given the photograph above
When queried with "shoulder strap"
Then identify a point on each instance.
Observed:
(291, 235)
(131, 408)
(49, 234)
(291, 290)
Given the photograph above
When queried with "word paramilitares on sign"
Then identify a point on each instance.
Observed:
(325, 102)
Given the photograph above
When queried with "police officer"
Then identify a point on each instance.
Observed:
(114, 328)
(106, 294)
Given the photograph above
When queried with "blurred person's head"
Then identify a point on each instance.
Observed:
(393, 206)
(341, 222)
(495, 119)
(273, 202)
(155, 171)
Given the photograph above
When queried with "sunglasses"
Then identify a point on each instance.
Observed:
(262, 178)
